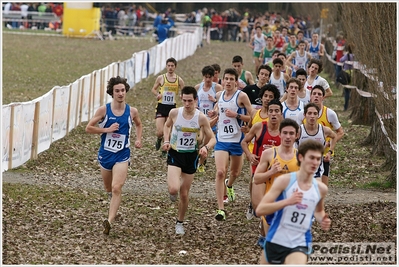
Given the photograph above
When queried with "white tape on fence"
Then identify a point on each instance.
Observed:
(393, 145)
(367, 72)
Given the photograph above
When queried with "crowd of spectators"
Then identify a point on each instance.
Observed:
(233, 25)
(227, 25)
(27, 9)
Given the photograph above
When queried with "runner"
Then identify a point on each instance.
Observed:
(180, 132)
(311, 129)
(207, 90)
(244, 77)
(274, 162)
(114, 124)
(165, 89)
(230, 106)
(294, 199)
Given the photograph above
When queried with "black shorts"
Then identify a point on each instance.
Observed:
(276, 254)
(187, 162)
(326, 165)
(163, 110)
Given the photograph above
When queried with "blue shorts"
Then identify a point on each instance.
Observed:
(107, 160)
(234, 149)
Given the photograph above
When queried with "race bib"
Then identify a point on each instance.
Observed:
(228, 128)
(114, 142)
(296, 218)
(168, 98)
(186, 141)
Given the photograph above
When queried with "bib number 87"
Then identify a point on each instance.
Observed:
(295, 217)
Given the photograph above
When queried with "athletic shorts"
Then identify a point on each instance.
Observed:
(276, 254)
(234, 149)
(320, 171)
(163, 110)
(107, 160)
(187, 162)
(256, 54)
(326, 165)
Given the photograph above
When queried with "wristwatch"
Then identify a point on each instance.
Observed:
(238, 116)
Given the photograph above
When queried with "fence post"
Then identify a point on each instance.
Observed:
(35, 134)
(69, 108)
(10, 145)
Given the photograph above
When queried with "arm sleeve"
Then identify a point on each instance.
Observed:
(333, 119)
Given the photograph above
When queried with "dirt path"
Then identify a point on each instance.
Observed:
(200, 188)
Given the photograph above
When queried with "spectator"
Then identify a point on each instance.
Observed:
(59, 11)
(163, 29)
(224, 26)
(339, 51)
(216, 21)
(132, 18)
(198, 16)
(6, 10)
(349, 56)
(24, 14)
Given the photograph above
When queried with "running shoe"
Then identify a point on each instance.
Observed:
(107, 227)
(158, 143)
(225, 199)
(173, 198)
(230, 192)
(201, 168)
(221, 215)
(179, 228)
(250, 212)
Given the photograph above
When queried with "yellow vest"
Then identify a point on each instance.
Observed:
(287, 166)
(169, 91)
(255, 119)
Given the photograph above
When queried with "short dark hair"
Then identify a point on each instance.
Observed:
(269, 87)
(301, 72)
(277, 102)
(309, 144)
(208, 70)
(288, 122)
(189, 90)
(318, 87)
(282, 54)
(278, 61)
(114, 81)
(294, 80)
(316, 61)
(310, 105)
(171, 59)
(265, 67)
(232, 71)
(216, 67)
(237, 59)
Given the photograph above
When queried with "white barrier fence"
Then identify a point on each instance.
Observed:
(29, 128)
